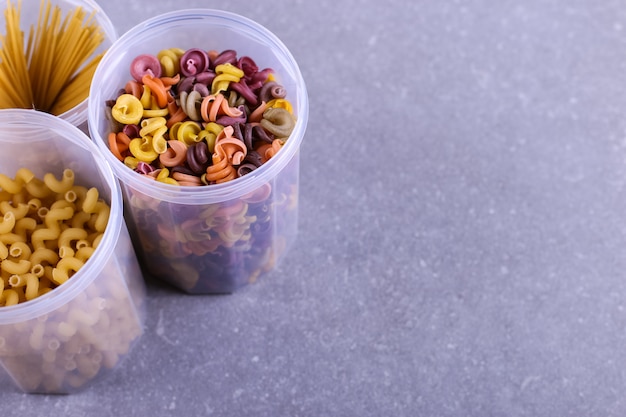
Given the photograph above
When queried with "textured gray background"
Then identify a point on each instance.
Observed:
(462, 232)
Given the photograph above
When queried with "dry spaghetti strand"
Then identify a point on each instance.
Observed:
(53, 73)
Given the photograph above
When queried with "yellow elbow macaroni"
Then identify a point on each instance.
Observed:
(49, 228)
(53, 233)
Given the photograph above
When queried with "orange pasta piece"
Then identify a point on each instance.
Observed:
(186, 179)
(214, 105)
(134, 88)
(177, 114)
(175, 155)
(118, 143)
(159, 92)
(234, 149)
(257, 114)
(221, 170)
(168, 82)
(268, 150)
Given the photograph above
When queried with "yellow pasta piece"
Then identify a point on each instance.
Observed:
(41, 255)
(38, 189)
(19, 251)
(32, 286)
(8, 222)
(60, 186)
(9, 297)
(13, 267)
(24, 226)
(10, 185)
(47, 236)
(61, 272)
(18, 211)
(71, 234)
(4, 251)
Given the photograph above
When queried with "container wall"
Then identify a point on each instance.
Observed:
(78, 332)
(218, 247)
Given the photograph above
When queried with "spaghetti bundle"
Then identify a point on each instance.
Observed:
(52, 70)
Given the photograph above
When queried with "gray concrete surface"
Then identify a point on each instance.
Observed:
(461, 246)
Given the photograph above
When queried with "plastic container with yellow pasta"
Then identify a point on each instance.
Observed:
(65, 339)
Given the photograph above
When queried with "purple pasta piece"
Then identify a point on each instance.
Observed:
(186, 84)
(145, 64)
(244, 91)
(248, 66)
(205, 77)
(198, 157)
(182, 170)
(229, 120)
(237, 131)
(202, 89)
(245, 169)
(272, 90)
(261, 76)
(144, 168)
(228, 56)
(194, 61)
(247, 136)
(258, 133)
(254, 158)
(132, 131)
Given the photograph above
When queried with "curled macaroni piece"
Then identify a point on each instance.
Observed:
(186, 132)
(65, 267)
(226, 73)
(234, 149)
(272, 90)
(221, 170)
(216, 105)
(119, 143)
(194, 61)
(278, 122)
(142, 149)
(190, 103)
(134, 88)
(145, 64)
(170, 61)
(128, 109)
(157, 87)
(175, 155)
(60, 186)
(267, 151)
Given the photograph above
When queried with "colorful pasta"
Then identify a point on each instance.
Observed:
(223, 118)
(194, 95)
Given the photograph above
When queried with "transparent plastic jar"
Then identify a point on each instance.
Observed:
(77, 115)
(176, 229)
(81, 331)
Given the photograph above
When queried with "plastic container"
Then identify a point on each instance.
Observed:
(77, 116)
(178, 230)
(77, 333)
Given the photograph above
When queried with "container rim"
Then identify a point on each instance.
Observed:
(15, 119)
(217, 192)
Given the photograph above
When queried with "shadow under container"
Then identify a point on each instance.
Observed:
(72, 336)
(77, 115)
(216, 238)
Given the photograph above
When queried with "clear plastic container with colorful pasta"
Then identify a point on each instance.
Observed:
(50, 68)
(200, 234)
(71, 289)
